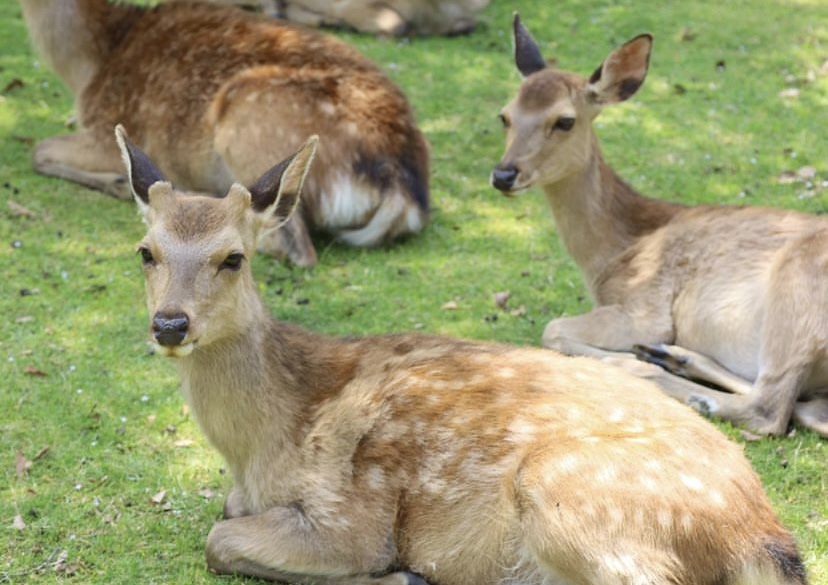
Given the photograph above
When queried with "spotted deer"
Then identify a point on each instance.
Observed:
(218, 95)
(407, 459)
(736, 297)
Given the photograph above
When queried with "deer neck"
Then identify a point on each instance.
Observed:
(243, 395)
(73, 36)
(599, 216)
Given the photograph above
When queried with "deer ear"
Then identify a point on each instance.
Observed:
(277, 192)
(622, 72)
(528, 57)
(141, 172)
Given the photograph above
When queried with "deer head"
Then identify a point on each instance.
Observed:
(548, 124)
(197, 248)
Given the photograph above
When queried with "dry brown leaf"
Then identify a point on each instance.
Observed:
(183, 443)
(159, 497)
(22, 465)
(501, 298)
(34, 371)
(449, 306)
(18, 210)
(18, 523)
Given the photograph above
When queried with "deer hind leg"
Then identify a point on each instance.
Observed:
(83, 158)
(813, 415)
(609, 333)
(691, 365)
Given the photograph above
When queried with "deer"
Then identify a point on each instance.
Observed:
(391, 17)
(408, 459)
(217, 95)
(727, 306)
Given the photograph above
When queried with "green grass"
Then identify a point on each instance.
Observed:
(76, 376)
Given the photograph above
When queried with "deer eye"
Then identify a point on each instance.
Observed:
(232, 262)
(146, 256)
(565, 123)
(504, 120)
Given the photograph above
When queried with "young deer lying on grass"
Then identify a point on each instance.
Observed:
(217, 95)
(389, 460)
(745, 287)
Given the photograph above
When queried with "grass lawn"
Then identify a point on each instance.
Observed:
(105, 478)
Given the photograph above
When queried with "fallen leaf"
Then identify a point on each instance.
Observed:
(12, 85)
(786, 178)
(449, 306)
(159, 497)
(183, 443)
(519, 312)
(501, 298)
(789, 93)
(18, 210)
(207, 493)
(807, 172)
(22, 465)
(18, 523)
(42, 453)
(33, 371)
(24, 319)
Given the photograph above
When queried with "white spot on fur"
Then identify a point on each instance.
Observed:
(521, 431)
(327, 108)
(664, 518)
(692, 482)
(616, 415)
(648, 483)
(375, 478)
(506, 373)
(717, 498)
(569, 462)
(607, 475)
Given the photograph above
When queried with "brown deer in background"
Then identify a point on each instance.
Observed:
(217, 95)
(397, 459)
(733, 296)
(389, 17)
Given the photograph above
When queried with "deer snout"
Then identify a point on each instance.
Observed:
(170, 330)
(504, 176)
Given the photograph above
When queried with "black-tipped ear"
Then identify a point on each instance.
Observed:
(528, 57)
(141, 171)
(278, 190)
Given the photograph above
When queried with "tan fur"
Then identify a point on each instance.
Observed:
(374, 460)
(732, 296)
(218, 95)
(387, 17)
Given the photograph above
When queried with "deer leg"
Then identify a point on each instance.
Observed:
(813, 414)
(234, 506)
(83, 158)
(287, 544)
(689, 364)
(607, 332)
(292, 241)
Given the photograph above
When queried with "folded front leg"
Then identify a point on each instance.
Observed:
(83, 158)
(287, 544)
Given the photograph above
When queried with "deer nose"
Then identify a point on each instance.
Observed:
(503, 178)
(170, 330)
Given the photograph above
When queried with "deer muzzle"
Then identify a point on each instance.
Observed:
(169, 330)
